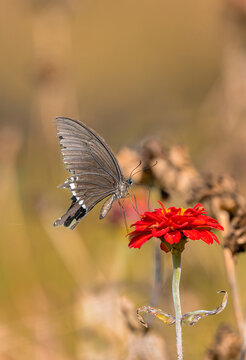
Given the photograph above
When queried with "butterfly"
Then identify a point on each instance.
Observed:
(95, 171)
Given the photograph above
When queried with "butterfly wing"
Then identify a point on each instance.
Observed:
(95, 171)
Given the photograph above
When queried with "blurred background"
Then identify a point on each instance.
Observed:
(130, 70)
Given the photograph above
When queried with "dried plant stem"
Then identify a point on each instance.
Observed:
(230, 269)
(176, 301)
(223, 218)
(243, 348)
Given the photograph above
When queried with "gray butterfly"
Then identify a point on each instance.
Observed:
(96, 174)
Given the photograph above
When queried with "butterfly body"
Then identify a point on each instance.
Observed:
(120, 192)
(96, 174)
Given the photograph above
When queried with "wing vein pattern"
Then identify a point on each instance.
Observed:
(95, 171)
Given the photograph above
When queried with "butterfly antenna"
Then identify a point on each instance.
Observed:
(146, 168)
(140, 163)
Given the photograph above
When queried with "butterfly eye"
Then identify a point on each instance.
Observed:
(130, 181)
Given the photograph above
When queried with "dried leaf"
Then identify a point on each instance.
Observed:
(193, 317)
(166, 318)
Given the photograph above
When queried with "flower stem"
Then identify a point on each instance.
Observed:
(176, 301)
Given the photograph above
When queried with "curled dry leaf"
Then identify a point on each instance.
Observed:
(193, 317)
(166, 318)
(190, 318)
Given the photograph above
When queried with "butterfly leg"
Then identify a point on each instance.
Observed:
(149, 190)
(135, 207)
(124, 215)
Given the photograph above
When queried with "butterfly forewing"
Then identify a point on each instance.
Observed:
(95, 171)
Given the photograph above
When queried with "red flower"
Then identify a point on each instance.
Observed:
(173, 225)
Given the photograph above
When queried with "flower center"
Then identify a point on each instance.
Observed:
(180, 212)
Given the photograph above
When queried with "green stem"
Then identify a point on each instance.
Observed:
(176, 301)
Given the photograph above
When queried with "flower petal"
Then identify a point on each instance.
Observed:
(170, 223)
(138, 240)
(206, 221)
(192, 234)
(162, 205)
(206, 236)
(158, 233)
(214, 237)
(173, 237)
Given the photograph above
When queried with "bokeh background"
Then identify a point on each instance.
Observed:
(129, 69)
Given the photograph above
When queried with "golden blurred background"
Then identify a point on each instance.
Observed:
(128, 69)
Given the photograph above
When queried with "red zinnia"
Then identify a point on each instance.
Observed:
(174, 224)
